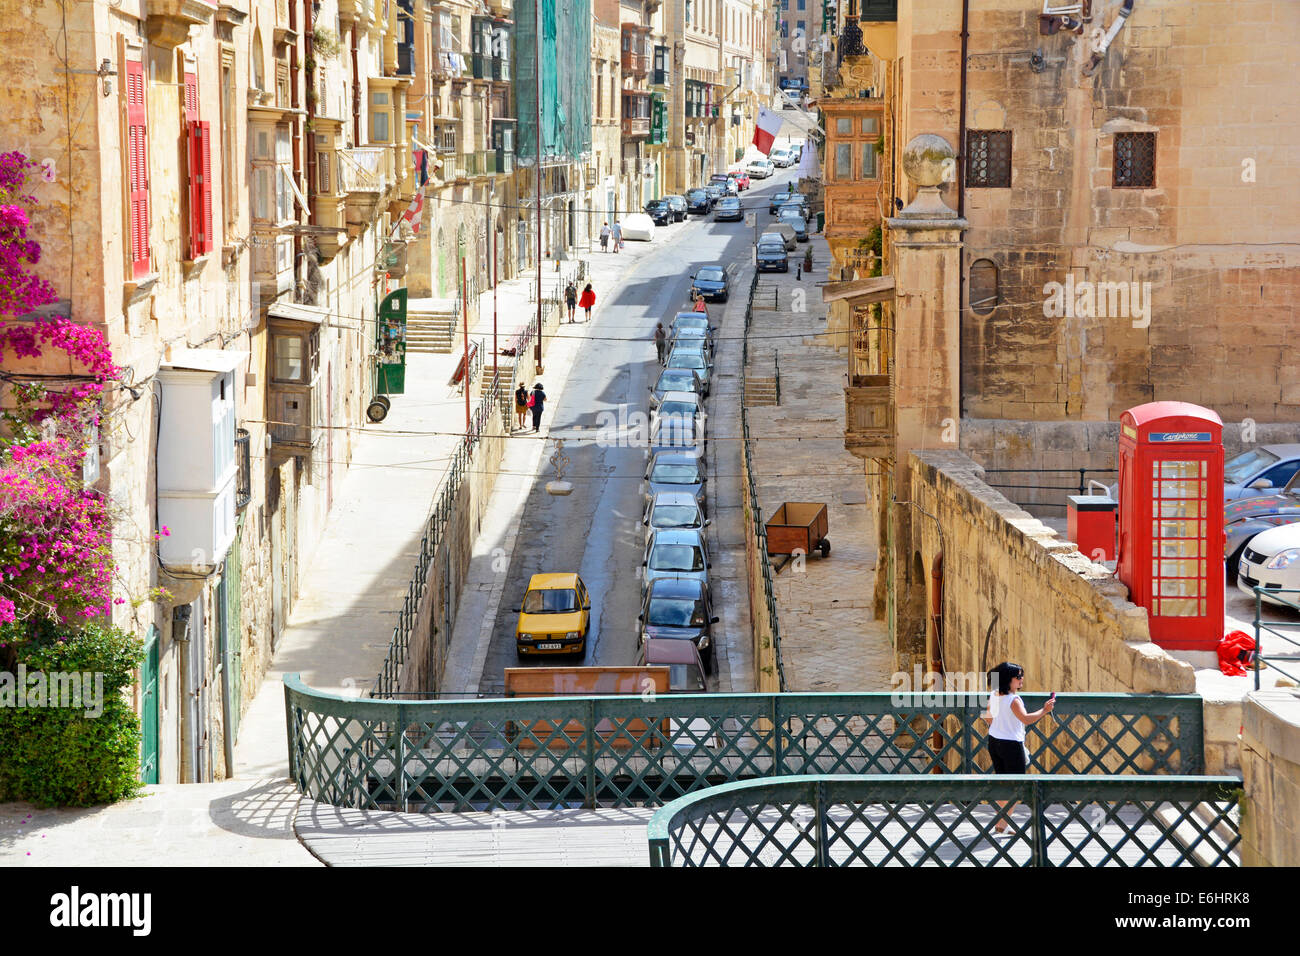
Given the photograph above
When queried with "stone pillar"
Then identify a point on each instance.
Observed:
(927, 308)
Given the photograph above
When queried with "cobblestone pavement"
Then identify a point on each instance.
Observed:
(830, 640)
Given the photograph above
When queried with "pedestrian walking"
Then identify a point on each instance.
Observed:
(604, 237)
(1007, 721)
(618, 236)
(661, 340)
(588, 300)
(521, 403)
(571, 299)
(536, 401)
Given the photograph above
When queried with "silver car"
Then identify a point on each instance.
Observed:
(691, 359)
(675, 380)
(678, 554)
(674, 471)
(673, 510)
(697, 340)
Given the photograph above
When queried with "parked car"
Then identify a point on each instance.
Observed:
(790, 98)
(683, 406)
(781, 158)
(711, 281)
(795, 207)
(690, 320)
(728, 209)
(759, 168)
(694, 360)
(770, 254)
(800, 226)
(680, 610)
(677, 434)
(1244, 518)
(555, 615)
(784, 230)
(696, 340)
(1271, 559)
(673, 509)
(685, 673)
(678, 204)
(679, 554)
(675, 380)
(638, 226)
(1263, 470)
(726, 181)
(699, 201)
(659, 211)
(674, 471)
(742, 179)
(776, 201)
(716, 191)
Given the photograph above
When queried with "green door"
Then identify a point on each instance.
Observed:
(149, 710)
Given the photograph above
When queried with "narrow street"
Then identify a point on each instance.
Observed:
(597, 530)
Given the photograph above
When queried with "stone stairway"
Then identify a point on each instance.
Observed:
(760, 391)
(432, 326)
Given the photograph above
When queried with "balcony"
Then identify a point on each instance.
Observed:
(636, 127)
(365, 169)
(169, 21)
(869, 416)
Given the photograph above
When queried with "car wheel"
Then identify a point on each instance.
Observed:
(724, 298)
(519, 654)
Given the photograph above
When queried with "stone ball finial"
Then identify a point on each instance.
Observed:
(926, 158)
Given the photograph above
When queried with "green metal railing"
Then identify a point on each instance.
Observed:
(431, 540)
(546, 753)
(882, 820)
(758, 530)
(1276, 628)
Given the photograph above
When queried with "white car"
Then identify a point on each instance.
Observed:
(760, 168)
(782, 158)
(1272, 560)
(637, 226)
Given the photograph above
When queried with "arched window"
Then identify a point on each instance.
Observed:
(982, 282)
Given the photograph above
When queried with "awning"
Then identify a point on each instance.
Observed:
(860, 291)
(296, 312)
(205, 360)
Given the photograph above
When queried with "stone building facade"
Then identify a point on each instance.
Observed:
(217, 209)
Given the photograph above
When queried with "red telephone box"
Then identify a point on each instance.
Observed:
(1171, 521)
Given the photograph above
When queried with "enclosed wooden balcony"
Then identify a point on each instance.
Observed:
(869, 416)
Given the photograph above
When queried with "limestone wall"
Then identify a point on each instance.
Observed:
(1270, 763)
(1067, 621)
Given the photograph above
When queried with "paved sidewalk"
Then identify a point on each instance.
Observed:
(830, 640)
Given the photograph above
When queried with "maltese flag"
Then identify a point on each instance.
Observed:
(769, 124)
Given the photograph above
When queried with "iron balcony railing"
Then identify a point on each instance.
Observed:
(1079, 488)
(885, 820)
(546, 753)
(244, 475)
(1289, 599)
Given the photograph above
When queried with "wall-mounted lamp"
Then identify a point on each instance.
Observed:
(105, 73)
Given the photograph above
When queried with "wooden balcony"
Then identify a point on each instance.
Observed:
(869, 417)
(636, 127)
(635, 64)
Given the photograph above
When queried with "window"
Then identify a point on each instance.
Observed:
(801, 4)
(1135, 161)
(871, 125)
(229, 186)
(801, 28)
(982, 282)
(844, 126)
(843, 160)
(988, 158)
(379, 115)
(868, 160)
(290, 359)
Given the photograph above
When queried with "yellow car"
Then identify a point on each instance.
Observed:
(555, 616)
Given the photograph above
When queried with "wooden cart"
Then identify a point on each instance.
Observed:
(797, 526)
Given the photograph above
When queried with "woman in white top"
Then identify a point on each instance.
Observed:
(1007, 722)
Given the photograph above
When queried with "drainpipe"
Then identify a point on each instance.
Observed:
(1124, 13)
(356, 91)
(960, 175)
(296, 137)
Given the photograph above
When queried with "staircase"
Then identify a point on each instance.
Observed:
(433, 328)
(760, 391)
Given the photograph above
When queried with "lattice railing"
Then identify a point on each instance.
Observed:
(884, 820)
(624, 751)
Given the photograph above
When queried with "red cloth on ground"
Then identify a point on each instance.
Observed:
(1236, 650)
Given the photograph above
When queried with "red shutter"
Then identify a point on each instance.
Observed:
(191, 97)
(137, 145)
(198, 140)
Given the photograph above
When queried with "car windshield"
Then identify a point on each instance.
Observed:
(712, 273)
(675, 516)
(685, 358)
(655, 204)
(696, 194)
(772, 248)
(685, 677)
(676, 381)
(797, 223)
(731, 202)
(676, 473)
(681, 410)
(690, 322)
(690, 339)
(551, 601)
(676, 557)
(674, 612)
(1246, 464)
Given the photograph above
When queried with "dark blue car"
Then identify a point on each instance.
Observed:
(770, 255)
(699, 201)
(659, 211)
(711, 282)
